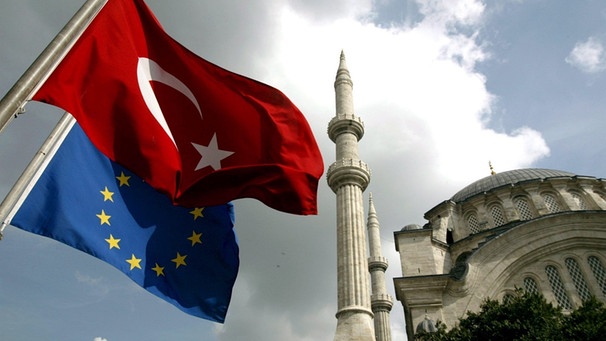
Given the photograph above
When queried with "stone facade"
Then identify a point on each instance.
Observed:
(536, 229)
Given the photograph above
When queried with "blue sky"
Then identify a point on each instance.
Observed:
(443, 88)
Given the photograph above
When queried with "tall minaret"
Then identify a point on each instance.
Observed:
(348, 178)
(380, 301)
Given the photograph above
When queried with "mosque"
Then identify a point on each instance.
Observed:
(540, 230)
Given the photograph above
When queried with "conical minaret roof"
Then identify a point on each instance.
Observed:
(343, 71)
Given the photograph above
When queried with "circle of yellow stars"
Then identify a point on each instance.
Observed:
(133, 261)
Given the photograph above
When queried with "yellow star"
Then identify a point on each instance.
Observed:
(197, 212)
(159, 270)
(180, 260)
(104, 218)
(195, 238)
(107, 195)
(113, 242)
(134, 262)
(123, 179)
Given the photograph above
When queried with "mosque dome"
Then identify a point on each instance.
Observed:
(515, 196)
(427, 326)
(411, 227)
(512, 177)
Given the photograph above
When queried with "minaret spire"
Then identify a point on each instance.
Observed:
(381, 302)
(342, 70)
(348, 177)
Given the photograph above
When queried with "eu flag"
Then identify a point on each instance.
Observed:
(186, 256)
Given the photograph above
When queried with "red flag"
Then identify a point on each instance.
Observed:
(197, 132)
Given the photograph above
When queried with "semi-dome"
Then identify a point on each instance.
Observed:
(507, 178)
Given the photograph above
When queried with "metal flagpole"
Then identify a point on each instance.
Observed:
(13, 102)
(40, 159)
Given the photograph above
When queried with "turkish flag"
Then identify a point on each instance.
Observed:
(194, 131)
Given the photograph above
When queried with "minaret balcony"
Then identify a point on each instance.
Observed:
(377, 262)
(381, 302)
(345, 123)
(348, 171)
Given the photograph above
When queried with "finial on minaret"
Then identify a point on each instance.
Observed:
(342, 72)
(373, 221)
(371, 205)
(492, 172)
(342, 64)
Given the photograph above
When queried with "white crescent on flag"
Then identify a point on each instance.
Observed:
(147, 71)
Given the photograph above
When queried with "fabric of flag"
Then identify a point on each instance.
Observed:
(194, 131)
(186, 256)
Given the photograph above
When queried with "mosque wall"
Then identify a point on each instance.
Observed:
(541, 235)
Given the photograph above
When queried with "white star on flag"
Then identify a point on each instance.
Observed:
(211, 154)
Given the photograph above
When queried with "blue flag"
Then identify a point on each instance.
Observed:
(186, 256)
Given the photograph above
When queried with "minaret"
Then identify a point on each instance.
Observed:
(380, 301)
(348, 178)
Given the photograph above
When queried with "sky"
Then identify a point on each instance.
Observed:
(443, 88)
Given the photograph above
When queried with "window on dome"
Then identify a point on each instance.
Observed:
(551, 202)
(472, 222)
(523, 208)
(530, 285)
(498, 216)
(598, 271)
(557, 286)
(578, 279)
(578, 199)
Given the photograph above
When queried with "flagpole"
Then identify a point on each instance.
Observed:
(56, 137)
(14, 101)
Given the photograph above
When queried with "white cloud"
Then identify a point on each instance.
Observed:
(588, 56)
(448, 13)
(427, 113)
(417, 86)
(99, 339)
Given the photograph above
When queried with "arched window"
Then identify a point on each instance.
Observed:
(472, 222)
(578, 199)
(577, 278)
(523, 208)
(598, 271)
(530, 285)
(449, 237)
(557, 286)
(551, 202)
(498, 216)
